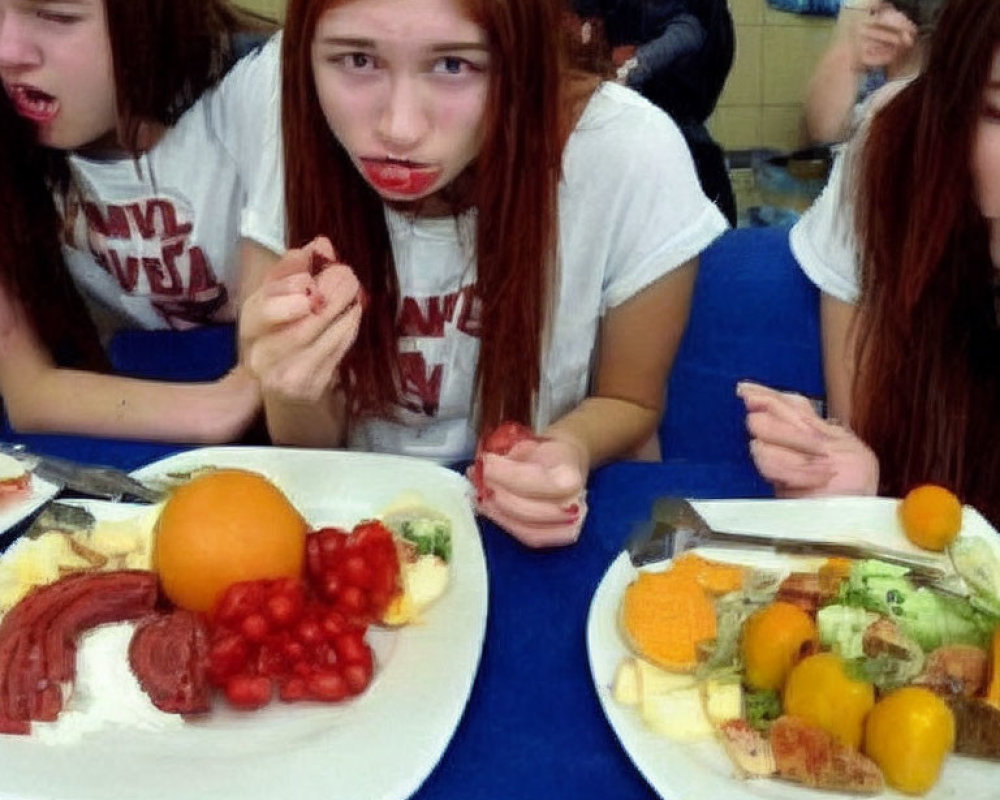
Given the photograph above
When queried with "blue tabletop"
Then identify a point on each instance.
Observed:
(533, 728)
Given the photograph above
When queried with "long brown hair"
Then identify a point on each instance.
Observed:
(166, 53)
(927, 392)
(530, 104)
(32, 273)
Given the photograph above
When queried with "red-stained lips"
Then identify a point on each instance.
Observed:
(399, 178)
(33, 104)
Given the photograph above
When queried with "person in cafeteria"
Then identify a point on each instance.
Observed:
(909, 275)
(677, 54)
(141, 125)
(501, 238)
(874, 42)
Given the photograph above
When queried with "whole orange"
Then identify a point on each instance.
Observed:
(773, 640)
(931, 516)
(222, 527)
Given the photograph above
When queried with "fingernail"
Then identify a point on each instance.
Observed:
(362, 298)
(572, 509)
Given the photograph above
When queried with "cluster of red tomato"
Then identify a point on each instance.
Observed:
(305, 637)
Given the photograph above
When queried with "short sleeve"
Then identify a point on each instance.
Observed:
(823, 239)
(245, 112)
(644, 188)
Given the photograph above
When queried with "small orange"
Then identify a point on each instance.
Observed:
(773, 640)
(931, 516)
(222, 527)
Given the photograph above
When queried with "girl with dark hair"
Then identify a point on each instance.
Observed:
(911, 338)
(149, 140)
(525, 239)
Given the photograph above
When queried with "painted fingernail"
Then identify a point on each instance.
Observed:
(572, 509)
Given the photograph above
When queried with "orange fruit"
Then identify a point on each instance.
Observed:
(931, 516)
(665, 616)
(819, 691)
(222, 527)
(908, 734)
(774, 638)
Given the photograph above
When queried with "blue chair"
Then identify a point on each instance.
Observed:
(754, 316)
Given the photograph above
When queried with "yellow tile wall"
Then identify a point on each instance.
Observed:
(776, 52)
(270, 8)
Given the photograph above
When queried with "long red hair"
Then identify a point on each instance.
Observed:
(530, 103)
(927, 392)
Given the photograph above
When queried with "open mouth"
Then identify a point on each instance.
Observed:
(399, 177)
(32, 103)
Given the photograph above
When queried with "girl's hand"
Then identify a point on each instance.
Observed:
(802, 454)
(297, 327)
(884, 37)
(534, 488)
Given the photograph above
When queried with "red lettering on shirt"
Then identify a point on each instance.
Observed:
(421, 389)
(145, 246)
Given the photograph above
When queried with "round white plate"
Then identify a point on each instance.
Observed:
(701, 770)
(379, 746)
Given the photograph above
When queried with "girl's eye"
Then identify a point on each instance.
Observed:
(991, 112)
(57, 17)
(451, 65)
(356, 61)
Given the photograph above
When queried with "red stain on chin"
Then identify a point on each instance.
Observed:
(389, 177)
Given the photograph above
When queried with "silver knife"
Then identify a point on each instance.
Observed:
(87, 479)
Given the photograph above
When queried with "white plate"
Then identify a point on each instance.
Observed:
(381, 745)
(701, 770)
(14, 509)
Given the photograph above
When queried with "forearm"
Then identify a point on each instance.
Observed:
(92, 404)
(606, 428)
(683, 35)
(832, 93)
(321, 424)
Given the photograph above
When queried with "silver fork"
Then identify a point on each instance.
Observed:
(676, 527)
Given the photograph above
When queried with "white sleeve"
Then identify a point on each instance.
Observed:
(655, 204)
(245, 112)
(823, 240)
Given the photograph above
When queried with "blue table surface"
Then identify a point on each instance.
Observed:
(533, 727)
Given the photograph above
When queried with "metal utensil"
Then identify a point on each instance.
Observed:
(86, 479)
(676, 527)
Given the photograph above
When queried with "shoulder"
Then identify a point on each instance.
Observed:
(623, 130)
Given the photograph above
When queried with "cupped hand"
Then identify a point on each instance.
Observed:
(801, 453)
(299, 324)
(884, 37)
(535, 490)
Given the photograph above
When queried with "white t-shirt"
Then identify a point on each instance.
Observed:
(823, 240)
(152, 242)
(630, 210)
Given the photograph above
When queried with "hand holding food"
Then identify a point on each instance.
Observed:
(531, 486)
(297, 327)
(800, 453)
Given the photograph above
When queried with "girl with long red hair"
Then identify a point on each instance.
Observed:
(911, 338)
(510, 240)
(130, 118)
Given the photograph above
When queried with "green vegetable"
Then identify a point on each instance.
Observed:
(842, 629)
(976, 562)
(431, 536)
(930, 619)
(762, 708)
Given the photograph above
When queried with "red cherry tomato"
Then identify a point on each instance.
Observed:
(248, 692)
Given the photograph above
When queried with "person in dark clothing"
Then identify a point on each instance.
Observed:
(676, 53)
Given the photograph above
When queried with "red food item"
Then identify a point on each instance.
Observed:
(498, 442)
(168, 654)
(38, 637)
(272, 634)
(356, 573)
